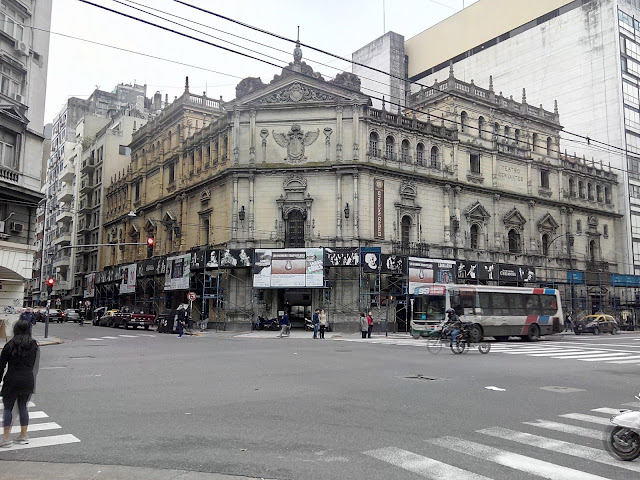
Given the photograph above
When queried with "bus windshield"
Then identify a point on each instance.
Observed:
(429, 309)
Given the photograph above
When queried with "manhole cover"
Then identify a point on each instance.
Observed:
(553, 388)
(419, 376)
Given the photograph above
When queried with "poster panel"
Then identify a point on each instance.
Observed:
(370, 262)
(466, 271)
(341, 257)
(288, 268)
(90, 285)
(262, 268)
(508, 273)
(178, 272)
(393, 264)
(420, 273)
(213, 259)
(527, 274)
(487, 271)
(236, 258)
(444, 271)
(314, 268)
(198, 259)
(128, 279)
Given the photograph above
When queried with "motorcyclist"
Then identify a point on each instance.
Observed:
(453, 322)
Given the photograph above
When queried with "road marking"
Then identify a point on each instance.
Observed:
(423, 466)
(540, 350)
(128, 336)
(111, 338)
(595, 355)
(43, 442)
(146, 335)
(608, 411)
(34, 415)
(555, 353)
(38, 427)
(635, 359)
(513, 460)
(631, 404)
(603, 357)
(580, 451)
(582, 352)
(587, 418)
(566, 428)
(93, 339)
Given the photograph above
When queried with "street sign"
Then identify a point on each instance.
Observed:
(87, 303)
(191, 296)
(58, 301)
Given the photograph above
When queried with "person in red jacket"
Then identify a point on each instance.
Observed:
(370, 323)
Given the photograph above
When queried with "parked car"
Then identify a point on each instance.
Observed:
(130, 316)
(596, 324)
(72, 314)
(107, 319)
(165, 321)
(97, 314)
(55, 315)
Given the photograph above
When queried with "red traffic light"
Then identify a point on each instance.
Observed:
(151, 241)
(51, 281)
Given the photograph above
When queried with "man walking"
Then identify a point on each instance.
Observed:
(568, 324)
(316, 323)
(180, 318)
(284, 325)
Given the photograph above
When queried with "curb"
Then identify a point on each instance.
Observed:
(48, 341)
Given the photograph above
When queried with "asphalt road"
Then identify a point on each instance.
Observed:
(296, 408)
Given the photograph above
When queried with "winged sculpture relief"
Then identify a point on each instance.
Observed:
(295, 141)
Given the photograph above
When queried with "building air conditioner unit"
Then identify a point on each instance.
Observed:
(21, 48)
(17, 97)
(16, 227)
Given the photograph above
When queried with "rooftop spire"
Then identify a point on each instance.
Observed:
(524, 95)
(491, 83)
(186, 84)
(297, 52)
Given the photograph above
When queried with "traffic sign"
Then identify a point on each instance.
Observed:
(191, 296)
(58, 301)
(87, 303)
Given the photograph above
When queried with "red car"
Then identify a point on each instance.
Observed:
(133, 317)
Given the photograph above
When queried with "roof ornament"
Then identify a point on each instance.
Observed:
(555, 107)
(524, 95)
(491, 83)
(186, 84)
(450, 69)
(297, 52)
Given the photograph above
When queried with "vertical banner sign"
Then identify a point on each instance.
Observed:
(128, 279)
(90, 282)
(315, 268)
(378, 208)
(288, 268)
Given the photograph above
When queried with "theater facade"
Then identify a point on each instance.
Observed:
(299, 195)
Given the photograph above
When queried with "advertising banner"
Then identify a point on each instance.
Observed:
(291, 267)
(236, 258)
(507, 273)
(487, 271)
(198, 259)
(128, 279)
(378, 208)
(370, 259)
(90, 285)
(527, 274)
(393, 264)
(420, 273)
(466, 271)
(213, 259)
(149, 268)
(341, 257)
(177, 272)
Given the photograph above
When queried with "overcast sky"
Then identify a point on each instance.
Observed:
(77, 66)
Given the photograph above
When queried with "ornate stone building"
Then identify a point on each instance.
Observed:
(461, 175)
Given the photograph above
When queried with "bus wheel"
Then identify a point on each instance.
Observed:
(501, 338)
(475, 333)
(534, 333)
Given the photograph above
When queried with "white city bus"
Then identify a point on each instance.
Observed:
(498, 312)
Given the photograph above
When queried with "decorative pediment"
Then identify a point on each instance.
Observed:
(547, 223)
(133, 230)
(294, 183)
(294, 93)
(205, 195)
(295, 140)
(514, 218)
(408, 191)
(477, 212)
(149, 226)
(169, 217)
(592, 221)
(14, 112)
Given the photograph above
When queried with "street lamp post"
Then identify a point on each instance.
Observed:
(570, 275)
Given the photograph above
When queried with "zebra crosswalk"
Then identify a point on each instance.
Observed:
(496, 450)
(40, 433)
(111, 337)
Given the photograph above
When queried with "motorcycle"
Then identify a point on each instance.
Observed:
(268, 324)
(622, 438)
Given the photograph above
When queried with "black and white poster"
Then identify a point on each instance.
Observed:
(198, 259)
(508, 273)
(236, 258)
(527, 274)
(466, 271)
(370, 262)
(487, 271)
(393, 264)
(341, 257)
(148, 268)
(212, 260)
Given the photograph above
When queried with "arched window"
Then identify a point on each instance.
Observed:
(589, 192)
(135, 162)
(516, 136)
(464, 118)
(434, 157)
(406, 231)
(389, 148)
(534, 146)
(572, 188)
(216, 152)
(607, 195)
(545, 244)
(406, 155)
(496, 130)
(481, 127)
(169, 139)
(420, 154)
(474, 235)
(294, 235)
(205, 232)
(581, 189)
(514, 241)
(549, 146)
(507, 132)
(373, 144)
(592, 251)
(599, 193)
(225, 148)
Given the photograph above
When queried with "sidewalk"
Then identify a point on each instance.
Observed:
(47, 341)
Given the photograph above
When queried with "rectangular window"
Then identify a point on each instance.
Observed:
(634, 168)
(8, 149)
(124, 150)
(633, 142)
(635, 224)
(172, 173)
(137, 191)
(630, 48)
(630, 92)
(634, 191)
(631, 117)
(636, 251)
(544, 178)
(474, 163)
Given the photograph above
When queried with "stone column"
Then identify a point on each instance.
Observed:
(446, 215)
(339, 206)
(235, 135)
(497, 234)
(251, 206)
(183, 220)
(356, 132)
(264, 133)
(339, 138)
(252, 130)
(561, 178)
(563, 231)
(533, 241)
(356, 207)
(234, 210)
(529, 178)
(327, 143)
(456, 214)
(494, 169)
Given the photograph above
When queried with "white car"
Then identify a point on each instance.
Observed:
(72, 314)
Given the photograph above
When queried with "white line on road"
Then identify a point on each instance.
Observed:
(580, 451)
(540, 350)
(37, 427)
(632, 404)
(43, 442)
(93, 339)
(595, 355)
(423, 466)
(587, 418)
(513, 460)
(602, 357)
(555, 353)
(635, 359)
(566, 428)
(582, 352)
(608, 411)
(128, 336)
(33, 415)
(111, 338)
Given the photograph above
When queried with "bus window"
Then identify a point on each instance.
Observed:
(500, 302)
(533, 304)
(464, 303)
(517, 304)
(549, 305)
(485, 303)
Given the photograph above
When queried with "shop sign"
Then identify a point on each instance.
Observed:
(393, 264)
(341, 257)
(289, 267)
(625, 280)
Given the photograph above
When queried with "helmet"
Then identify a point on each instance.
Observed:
(451, 310)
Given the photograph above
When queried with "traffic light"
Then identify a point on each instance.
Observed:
(50, 283)
(151, 241)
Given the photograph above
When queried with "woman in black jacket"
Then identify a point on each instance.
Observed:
(20, 357)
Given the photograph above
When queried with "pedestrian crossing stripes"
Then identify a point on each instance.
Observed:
(39, 433)
(107, 337)
(501, 450)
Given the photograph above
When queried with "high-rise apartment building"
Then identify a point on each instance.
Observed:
(24, 54)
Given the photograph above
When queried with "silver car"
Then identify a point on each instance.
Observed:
(72, 314)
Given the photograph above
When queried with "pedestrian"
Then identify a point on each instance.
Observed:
(316, 323)
(88, 315)
(364, 325)
(180, 318)
(189, 320)
(324, 323)
(28, 316)
(20, 356)
(204, 322)
(284, 325)
(370, 324)
(568, 324)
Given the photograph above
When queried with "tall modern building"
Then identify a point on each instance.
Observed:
(583, 53)
(24, 54)
(69, 177)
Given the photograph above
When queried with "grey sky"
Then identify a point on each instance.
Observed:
(76, 67)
